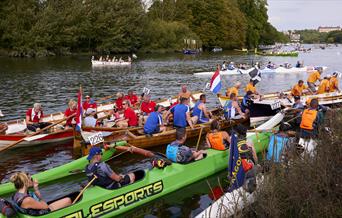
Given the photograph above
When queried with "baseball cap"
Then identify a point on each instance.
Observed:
(297, 97)
(90, 110)
(94, 151)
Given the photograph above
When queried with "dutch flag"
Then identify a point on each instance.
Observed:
(215, 82)
(79, 112)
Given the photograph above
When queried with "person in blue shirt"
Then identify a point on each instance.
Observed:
(200, 113)
(231, 66)
(246, 102)
(154, 123)
(181, 114)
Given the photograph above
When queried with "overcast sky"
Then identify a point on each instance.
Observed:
(304, 14)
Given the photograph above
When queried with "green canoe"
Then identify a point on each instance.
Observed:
(59, 172)
(283, 54)
(150, 185)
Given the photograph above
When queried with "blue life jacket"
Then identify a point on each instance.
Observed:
(276, 147)
(172, 151)
(227, 109)
(18, 199)
(102, 180)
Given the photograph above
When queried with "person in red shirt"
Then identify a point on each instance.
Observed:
(132, 98)
(34, 118)
(119, 100)
(89, 103)
(147, 106)
(72, 109)
(130, 117)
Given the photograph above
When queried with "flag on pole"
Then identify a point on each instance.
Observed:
(215, 82)
(79, 112)
(255, 75)
(236, 174)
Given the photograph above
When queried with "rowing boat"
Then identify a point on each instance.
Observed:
(149, 185)
(110, 63)
(285, 54)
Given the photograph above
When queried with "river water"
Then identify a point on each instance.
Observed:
(53, 81)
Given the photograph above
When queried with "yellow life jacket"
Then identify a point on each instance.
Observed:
(216, 141)
(308, 119)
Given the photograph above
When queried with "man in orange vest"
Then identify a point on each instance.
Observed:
(313, 78)
(334, 83)
(299, 89)
(324, 85)
(311, 118)
(216, 139)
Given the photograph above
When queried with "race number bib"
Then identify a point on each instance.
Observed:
(96, 138)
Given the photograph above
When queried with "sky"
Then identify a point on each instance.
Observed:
(304, 14)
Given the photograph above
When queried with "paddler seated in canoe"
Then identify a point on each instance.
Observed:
(34, 118)
(154, 123)
(231, 66)
(181, 114)
(200, 114)
(333, 83)
(299, 89)
(147, 106)
(132, 98)
(185, 93)
(246, 102)
(89, 103)
(130, 118)
(32, 203)
(314, 76)
(234, 89)
(106, 177)
(177, 152)
(119, 100)
(72, 109)
(324, 85)
(217, 139)
(90, 119)
(251, 87)
(232, 109)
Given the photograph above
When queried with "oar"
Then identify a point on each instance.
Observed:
(35, 133)
(199, 138)
(81, 193)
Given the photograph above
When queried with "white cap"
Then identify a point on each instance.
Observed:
(90, 110)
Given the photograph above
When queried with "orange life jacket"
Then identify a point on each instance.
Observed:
(308, 119)
(216, 141)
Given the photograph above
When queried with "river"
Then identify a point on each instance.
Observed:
(53, 81)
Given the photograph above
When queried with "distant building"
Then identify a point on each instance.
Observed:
(326, 29)
(295, 37)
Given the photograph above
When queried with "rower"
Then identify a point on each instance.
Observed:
(224, 66)
(299, 89)
(154, 123)
(177, 152)
(234, 89)
(232, 109)
(34, 118)
(217, 139)
(106, 177)
(185, 93)
(146, 107)
(334, 83)
(251, 87)
(199, 112)
(246, 102)
(119, 100)
(32, 203)
(181, 114)
(130, 118)
(131, 97)
(324, 85)
(90, 119)
(313, 78)
(72, 109)
(89, 103)
(231, 66)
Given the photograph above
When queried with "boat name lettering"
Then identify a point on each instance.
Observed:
(96, 138)
(126, 199)
(236, 170)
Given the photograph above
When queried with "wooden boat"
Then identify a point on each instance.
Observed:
(95, 63)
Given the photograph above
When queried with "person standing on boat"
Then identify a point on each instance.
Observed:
(234, 89)
(146, 107)
(32, 203)
(313, 78)
(132, 98)
(89, 103)
(72, 109)
(334, 83)
(34, 118)
(185, 93)
(217, 139)
(130, 118)
(232, 109)
(200, 114)
(324, 85)
(106, 177)
(154, 123)
(299, 89)
(177, 152)
(251, 87)
(181, 114)
(311, 118)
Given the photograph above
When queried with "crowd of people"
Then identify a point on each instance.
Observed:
(114, 59)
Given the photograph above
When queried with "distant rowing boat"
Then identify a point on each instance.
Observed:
(110, 63)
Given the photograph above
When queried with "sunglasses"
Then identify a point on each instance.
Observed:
(100, 153)
(124, 104)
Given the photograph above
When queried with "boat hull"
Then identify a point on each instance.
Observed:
(109, 63)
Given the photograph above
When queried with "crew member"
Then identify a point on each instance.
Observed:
(311, 118)
(246, 102)
(185, 93)
(234, 89)
(106, 178)
(119, 100)
(89, 103)
(34, 118)
(154, 123)
(251, 87)
(132, 98)
(90, 119)
(146, 107)
(231, 66)
(313, 78)
(32, 203)
(200, 113)
(72, 109)
(334, 83)
(232, 109)
(130, 118)
(324, 85)
(224, 66)
(217, 139)
(181, 114)
(177, 152)
(299, 89)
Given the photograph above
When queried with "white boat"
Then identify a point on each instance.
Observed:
(226, 72)
(110, 63)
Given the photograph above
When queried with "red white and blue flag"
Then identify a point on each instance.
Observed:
(79, 112)
(215, 82)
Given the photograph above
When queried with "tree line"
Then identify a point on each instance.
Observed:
(49, 27)
(313, 36)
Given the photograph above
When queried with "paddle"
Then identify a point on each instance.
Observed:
(199, 138)
(36, 133)
(81, 193)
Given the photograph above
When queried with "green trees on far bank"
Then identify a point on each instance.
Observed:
(35, 27)
(313, 36)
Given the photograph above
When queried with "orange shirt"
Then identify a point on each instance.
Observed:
(251, 88)
(333, 84)
(314, 76)
(298, 90)
(232, 90)
(323, 87)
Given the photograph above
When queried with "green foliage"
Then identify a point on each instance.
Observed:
(334, 37)
(312, 36)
